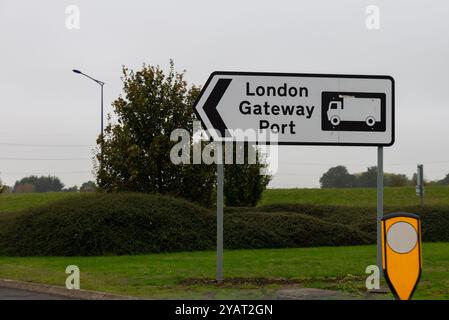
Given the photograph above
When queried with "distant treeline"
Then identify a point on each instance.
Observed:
(45, 184)
(339, 177)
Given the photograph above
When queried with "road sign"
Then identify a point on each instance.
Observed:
(299, 109)
(401, 253)
(420, 181)
(419, 190)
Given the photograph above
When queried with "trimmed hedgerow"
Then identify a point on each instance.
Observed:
(130, 223)
(435, 219)
(102, 224)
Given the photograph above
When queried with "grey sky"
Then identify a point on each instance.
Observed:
(44, 103)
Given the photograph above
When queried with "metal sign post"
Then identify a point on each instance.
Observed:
(420, 184)
(380, 202)
(220, 180)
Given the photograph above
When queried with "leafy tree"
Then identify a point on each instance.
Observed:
(337, 177)
(71, 189)
(243, 183)
(396, 180)
(136, 150)
(368, 179)
(38, 184)
(88, 186)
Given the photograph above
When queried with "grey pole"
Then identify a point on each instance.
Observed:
(420, 184)
(220, 178)
(380, 203)
(101, 143)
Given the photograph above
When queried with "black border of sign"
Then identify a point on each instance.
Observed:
(309, 75)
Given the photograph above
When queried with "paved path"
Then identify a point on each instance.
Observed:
(17, 294)
(320, 294)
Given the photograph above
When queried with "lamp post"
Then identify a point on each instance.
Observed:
(101, 83)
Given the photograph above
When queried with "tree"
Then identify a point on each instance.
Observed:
(243, 183)
(2, 187)
(396, 180)
(136, 150)
(88, 186)
(368, 179)
(71, 189)
(337, 177)
(38, 184)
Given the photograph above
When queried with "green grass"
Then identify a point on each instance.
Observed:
(404, 196)
(170, 275)
(13, 202)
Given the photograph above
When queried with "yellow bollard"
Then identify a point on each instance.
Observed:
(401, 253)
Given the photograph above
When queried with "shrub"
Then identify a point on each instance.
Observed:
(435, 219)
(243, 183)
(99, 224)
(130, 223)
(285, 229)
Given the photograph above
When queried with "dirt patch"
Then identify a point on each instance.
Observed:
(240, 282)
(333, 282)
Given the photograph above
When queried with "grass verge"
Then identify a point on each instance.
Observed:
(254, 274)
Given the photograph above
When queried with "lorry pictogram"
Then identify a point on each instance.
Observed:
(353, 111)
(350, 108)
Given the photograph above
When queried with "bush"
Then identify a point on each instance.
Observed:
(243, 183)
(130, 223)
(435, 219)
(100, 224)
(285, 229)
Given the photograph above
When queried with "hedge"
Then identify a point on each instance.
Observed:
(127, 223)
(102, 224)
(435, 219)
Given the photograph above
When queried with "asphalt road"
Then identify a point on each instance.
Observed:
(17, 294)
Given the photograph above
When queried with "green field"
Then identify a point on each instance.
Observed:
(13, 202)
(366, 197)
(405, 196)
(251, 274)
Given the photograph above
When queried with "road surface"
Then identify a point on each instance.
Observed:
(18, 294)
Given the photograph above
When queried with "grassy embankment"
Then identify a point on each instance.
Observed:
(252, 273)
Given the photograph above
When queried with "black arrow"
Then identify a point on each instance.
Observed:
(210, 107)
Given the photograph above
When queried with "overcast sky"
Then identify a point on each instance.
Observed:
(50, 117)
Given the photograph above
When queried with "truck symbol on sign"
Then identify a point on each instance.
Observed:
(351, 108)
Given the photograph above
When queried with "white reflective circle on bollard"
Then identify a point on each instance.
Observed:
(402, 237)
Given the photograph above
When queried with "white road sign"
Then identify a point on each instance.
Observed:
(314, 109)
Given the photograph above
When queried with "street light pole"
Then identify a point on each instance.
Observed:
(101, 83)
